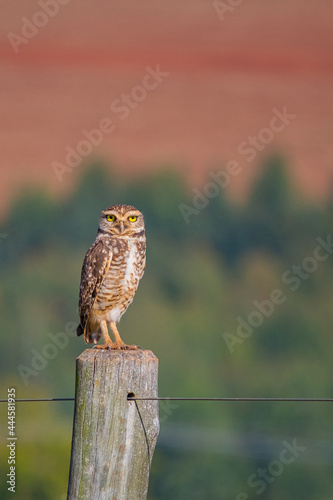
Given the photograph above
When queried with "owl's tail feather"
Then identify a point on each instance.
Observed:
(91, 336)
(79, 330)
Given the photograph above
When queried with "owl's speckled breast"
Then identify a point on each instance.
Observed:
(122, 278)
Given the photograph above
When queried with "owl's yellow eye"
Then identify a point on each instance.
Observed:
(132, 218)
(110, 218)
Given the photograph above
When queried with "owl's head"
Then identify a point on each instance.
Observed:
(122, 221)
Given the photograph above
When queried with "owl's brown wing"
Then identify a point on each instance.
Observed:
(95, 266)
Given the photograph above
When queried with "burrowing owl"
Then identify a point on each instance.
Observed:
(110, 275)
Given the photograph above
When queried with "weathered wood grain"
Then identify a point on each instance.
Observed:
(113, 439)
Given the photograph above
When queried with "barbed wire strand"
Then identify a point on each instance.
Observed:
(136, 398)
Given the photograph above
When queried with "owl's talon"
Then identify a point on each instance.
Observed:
(132, 347)
(107, 347)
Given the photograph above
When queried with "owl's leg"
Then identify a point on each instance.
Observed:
(108, 342)
(119, 342)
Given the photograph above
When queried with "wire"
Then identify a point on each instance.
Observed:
(37, 399)
(145, 434)
(312, 400)
(132, 398)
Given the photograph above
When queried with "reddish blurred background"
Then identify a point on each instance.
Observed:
(225, 77)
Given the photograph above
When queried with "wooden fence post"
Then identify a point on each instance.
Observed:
(113, 438)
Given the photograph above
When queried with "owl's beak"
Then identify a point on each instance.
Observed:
(121, 226)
